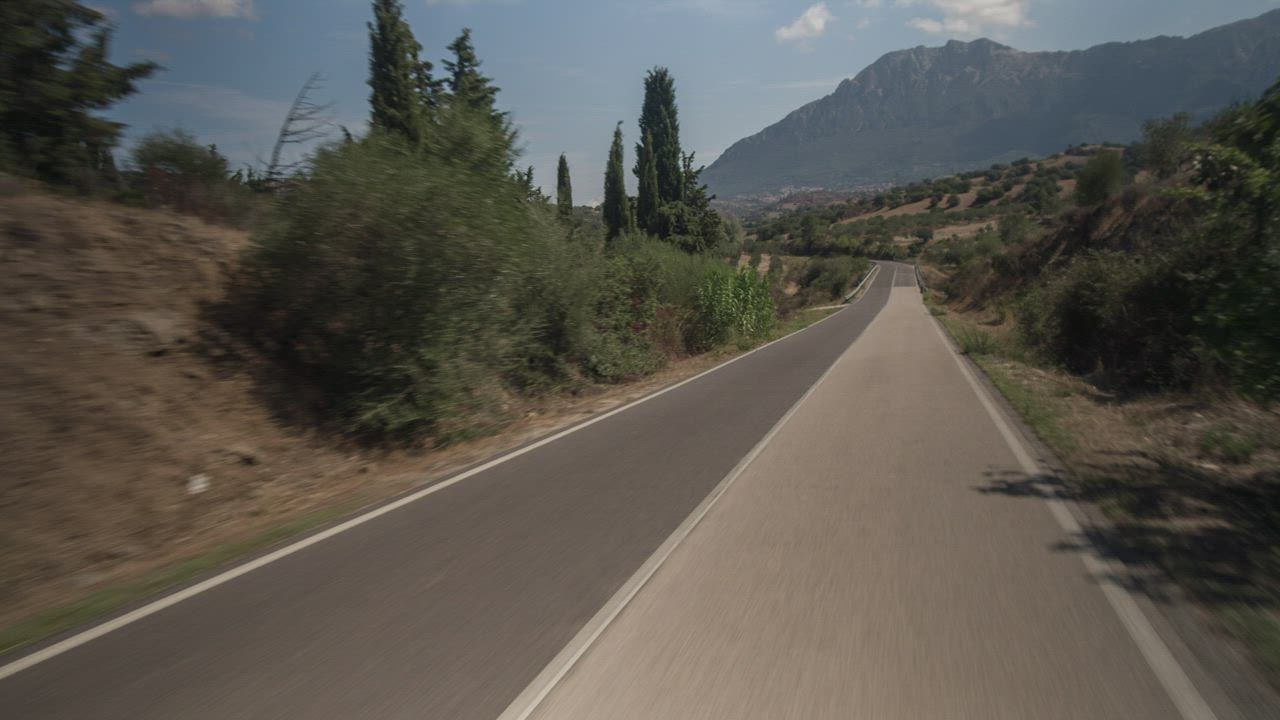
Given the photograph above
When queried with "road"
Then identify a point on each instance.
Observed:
(856, 566)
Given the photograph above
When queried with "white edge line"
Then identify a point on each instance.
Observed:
(536, 691)
(156, 606)
(1191, 705)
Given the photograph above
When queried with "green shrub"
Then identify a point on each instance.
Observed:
(1130, 316)
(1164, 144)
(1100, 178)
(973, 341)
(554, 308)
(733, 306)
(677, 274)
(1014, 228)
(172, 169)
(960, 252)
(1228, 446)
(621, 347)
(387, 281)
(830, 278)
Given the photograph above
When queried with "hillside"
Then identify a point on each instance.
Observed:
(115, 394)
(931, 111)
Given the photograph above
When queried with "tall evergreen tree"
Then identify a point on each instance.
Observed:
(402, 91)
(617, 206)
(659, 119)
(467, 86)
(706, 223)
(54, 74)
(564, 190)
(532, 193)
(648, 200)
(473, 97)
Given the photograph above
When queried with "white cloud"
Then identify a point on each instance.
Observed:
(864, 23)
(197, 8)
(811, 24)
(927, 25)
(866, 4)
(970, 17)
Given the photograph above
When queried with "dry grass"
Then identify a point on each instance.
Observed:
(962, 232)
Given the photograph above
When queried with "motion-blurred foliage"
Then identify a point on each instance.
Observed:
(416, 288)
(1195, 295)
(54, 78)
(390, 281)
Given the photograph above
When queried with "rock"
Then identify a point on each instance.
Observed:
(242, 454)
(198, 483)
(85, 579)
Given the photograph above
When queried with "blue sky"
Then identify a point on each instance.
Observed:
(570, 69)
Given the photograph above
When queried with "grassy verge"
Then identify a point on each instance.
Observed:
(1038, 397)
(799, 321)
(60, 619)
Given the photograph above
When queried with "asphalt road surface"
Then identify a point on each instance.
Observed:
(863, 567)
(858, 566)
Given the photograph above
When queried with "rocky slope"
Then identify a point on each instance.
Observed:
(931, 111)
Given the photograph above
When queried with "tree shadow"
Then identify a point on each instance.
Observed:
(292, 394)
(1216, 537)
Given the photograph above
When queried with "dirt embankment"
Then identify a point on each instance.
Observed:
(113, 420)
(130, 440)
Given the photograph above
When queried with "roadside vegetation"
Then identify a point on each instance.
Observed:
(408, 281)
(237, 348)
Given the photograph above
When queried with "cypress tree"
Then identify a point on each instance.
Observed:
(660, 119)
(467, 86)
(667, 165)
(55, 75)
(468, 111)
(617, 206)
(401, 87)
(647, 199)
(564, 190)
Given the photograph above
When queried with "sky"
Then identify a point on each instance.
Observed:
(569, 70)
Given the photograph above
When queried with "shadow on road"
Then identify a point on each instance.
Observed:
(1217, 538)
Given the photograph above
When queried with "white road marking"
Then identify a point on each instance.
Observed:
(532, 696)
(1191, 705)
(152, 608)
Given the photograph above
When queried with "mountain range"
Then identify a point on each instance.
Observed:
(931, 111)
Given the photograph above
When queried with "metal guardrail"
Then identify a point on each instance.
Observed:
(854, 293)
(920, 280)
